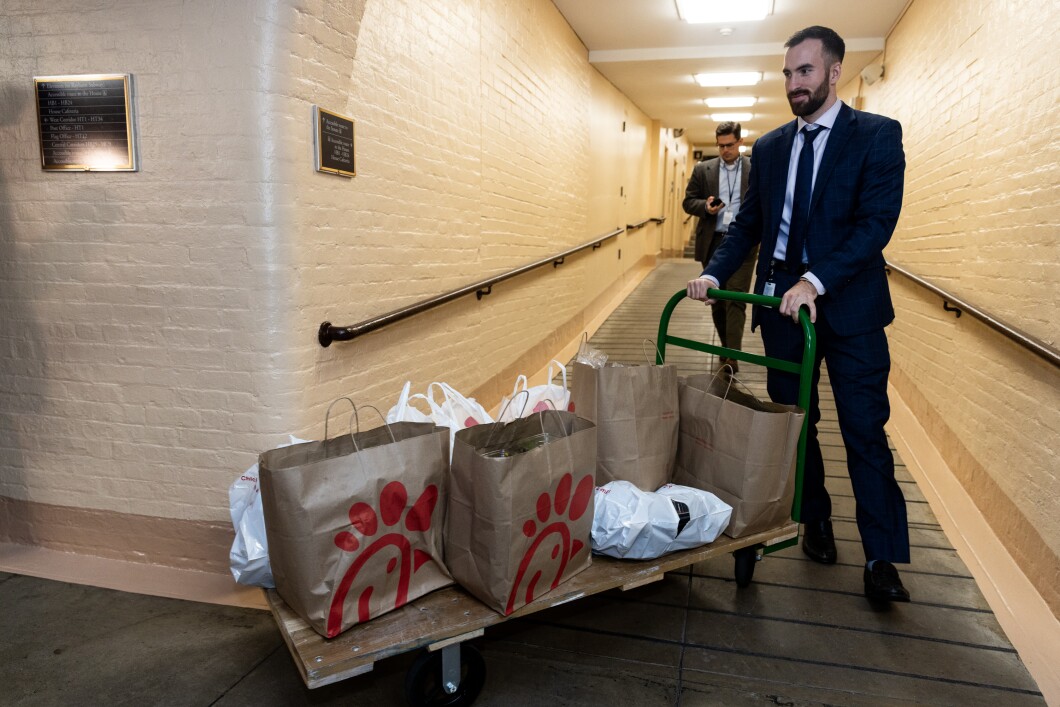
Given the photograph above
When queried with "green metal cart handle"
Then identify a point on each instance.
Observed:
(804, 368)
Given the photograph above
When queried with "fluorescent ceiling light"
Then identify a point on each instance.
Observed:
(732, 78)
(721, 11)
(731, 102)
(734, 117)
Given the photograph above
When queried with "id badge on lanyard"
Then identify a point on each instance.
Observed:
(770, 287)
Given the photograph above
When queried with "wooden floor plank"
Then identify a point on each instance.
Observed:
(801, 632)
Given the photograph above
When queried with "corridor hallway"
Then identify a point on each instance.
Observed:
(801, 634)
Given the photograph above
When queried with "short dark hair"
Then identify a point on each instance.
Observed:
(834, 48)
(727, 128)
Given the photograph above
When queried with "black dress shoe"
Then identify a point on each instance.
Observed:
(818, 542)
(883, 584)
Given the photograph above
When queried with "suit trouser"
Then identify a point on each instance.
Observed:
(857, 370)
(731, 317)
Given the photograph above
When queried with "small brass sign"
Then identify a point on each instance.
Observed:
(86, 123)
(333, 135)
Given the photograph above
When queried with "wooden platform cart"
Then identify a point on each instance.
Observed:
(451, 672)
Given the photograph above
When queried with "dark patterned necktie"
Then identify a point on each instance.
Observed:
(800, 205)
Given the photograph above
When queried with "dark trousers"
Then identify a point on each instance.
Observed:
(857, 369)
(730, 317)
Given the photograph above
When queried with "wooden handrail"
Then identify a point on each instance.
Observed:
(1032, 344)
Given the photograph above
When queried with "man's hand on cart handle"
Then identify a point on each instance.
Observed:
(697, 289)
(802, 293)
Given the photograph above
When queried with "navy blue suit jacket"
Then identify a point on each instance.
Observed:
(856, 200)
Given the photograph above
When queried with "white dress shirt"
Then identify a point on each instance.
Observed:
(825, 121)
(729, 190)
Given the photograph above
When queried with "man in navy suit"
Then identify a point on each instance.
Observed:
(824, 199)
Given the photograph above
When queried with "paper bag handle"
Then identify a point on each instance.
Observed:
(327, 416)
(651, 360)
(541, 417)
(355, 417)
(732, 377)
(500, 417)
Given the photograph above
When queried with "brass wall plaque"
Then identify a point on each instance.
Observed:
(86, 123)
(333, 136)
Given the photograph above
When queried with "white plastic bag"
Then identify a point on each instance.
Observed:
(454, 411)
(641, 525)
(450, 409)
(403, 411)
(462, 411)
(549, 396)
(249, 556)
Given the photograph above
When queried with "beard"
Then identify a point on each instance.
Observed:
(814, 101)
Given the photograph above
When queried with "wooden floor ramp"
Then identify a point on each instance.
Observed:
(800, 634)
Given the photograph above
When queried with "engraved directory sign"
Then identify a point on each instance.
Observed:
(86, 122)
(333, 135)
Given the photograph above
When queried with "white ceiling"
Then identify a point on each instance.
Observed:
(650, 55)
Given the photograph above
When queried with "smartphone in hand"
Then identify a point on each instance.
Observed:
(715, 202)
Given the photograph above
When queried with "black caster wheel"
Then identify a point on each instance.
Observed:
(745, 565)
(425, 685)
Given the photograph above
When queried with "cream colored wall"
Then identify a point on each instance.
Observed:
(143, 313)
(509, 150)
(159, 328)
(975, 85)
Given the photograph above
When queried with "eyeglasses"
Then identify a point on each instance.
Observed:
(726, 146)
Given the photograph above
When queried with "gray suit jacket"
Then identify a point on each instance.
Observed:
(703, 184)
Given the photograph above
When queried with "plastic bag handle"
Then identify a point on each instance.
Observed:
(431, 405)
(515, 388)
(563, 368)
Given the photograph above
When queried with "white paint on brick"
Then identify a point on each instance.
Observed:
(977, 89)
(159, 328)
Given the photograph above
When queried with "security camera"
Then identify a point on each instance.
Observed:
(872, 73)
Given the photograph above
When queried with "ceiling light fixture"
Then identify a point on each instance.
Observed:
(734, 117)
(722, 11)
(731, 101)
(728, 78)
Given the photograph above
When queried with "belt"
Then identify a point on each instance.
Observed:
(782, 266)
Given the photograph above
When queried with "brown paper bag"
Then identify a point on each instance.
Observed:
(519, 521)
(635, 409)
(355, 523)
(739, 448)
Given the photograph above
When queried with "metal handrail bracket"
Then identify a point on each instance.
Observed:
(952, 303)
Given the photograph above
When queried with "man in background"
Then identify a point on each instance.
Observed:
(825, 194)
(714, 194)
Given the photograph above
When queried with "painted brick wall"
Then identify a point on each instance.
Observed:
(138, 344)
(977, 88)
(159, 328)
(480, 138)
